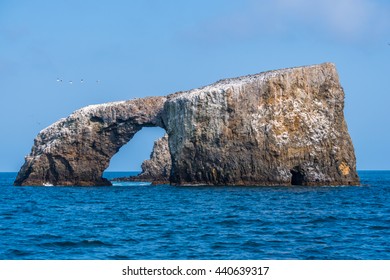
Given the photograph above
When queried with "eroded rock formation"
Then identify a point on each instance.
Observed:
(157, 169)
(275, 128)
(75, 151)
(283, 127)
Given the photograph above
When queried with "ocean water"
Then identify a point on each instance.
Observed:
(140, 221)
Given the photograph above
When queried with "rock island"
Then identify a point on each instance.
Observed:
(283, 127)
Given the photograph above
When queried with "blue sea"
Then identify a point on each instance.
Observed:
(140, 221)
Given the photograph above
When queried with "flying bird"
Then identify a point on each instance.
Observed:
(70, 82)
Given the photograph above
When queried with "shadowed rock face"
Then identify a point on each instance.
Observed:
(75, 151)
(283, 127)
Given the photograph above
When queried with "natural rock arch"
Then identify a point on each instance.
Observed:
(76, 150)
(282, 127)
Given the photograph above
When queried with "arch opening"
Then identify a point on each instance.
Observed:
(130, 156)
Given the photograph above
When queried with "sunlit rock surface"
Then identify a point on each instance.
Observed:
(75, 151)
(283, 127)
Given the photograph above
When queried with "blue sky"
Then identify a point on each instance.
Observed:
(146, 48)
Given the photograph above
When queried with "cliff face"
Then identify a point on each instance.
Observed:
(283, 127)
(75, 151)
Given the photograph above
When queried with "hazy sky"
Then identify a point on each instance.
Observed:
(146, 48)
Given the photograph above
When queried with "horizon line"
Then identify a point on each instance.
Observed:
(141, 170)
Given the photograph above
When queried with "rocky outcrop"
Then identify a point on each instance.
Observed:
(283, 127)
(75, 151)
(157, 169)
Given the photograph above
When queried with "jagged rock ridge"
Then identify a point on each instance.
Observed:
(283, 127)
(157, 169)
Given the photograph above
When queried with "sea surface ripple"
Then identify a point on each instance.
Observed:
(140, 221)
